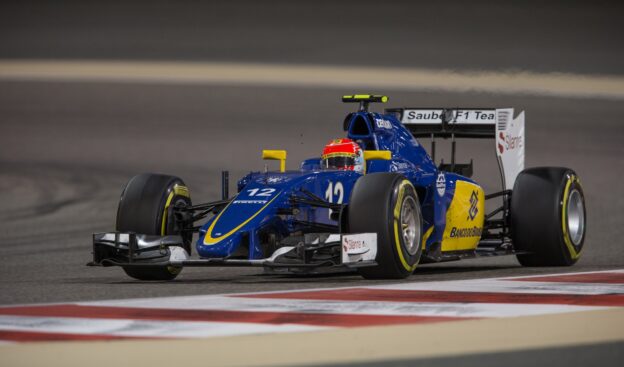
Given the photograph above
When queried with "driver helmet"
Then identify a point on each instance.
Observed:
(343, 154)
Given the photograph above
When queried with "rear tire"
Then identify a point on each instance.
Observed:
(143, 209)
(548, 216)
(387, 203)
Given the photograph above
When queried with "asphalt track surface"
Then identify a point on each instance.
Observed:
(67, 148)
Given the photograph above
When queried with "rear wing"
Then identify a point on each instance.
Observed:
(498, 124)
(447, 122)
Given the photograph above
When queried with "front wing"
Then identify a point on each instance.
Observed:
(304, 254)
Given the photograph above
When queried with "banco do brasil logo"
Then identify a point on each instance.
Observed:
(474, 200)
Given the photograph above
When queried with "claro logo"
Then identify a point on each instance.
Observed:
(508, 142)
(353, 245)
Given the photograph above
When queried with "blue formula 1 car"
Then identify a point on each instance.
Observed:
(376, 202)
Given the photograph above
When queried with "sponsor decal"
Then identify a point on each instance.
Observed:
(249, 202)
(424, 115)
(508, 142)
(441, 184)
(474, 200)
(466, 232)
(354, 246)
(359, 247)
(401, 166)
(460, 116)
(476, 116)
(383, 123)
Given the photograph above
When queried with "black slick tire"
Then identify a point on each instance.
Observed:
(143, 209)
(377, 204)
(548, 219)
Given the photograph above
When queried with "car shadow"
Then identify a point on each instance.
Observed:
(429, 272)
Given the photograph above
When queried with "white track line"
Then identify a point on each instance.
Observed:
(161, 326)
(142, 328)
(445, 309)
(342, 77)
(558, 274)
(412, 280)
(509, 286)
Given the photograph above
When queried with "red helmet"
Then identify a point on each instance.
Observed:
(344, 154)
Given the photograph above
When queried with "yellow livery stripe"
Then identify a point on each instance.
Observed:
(209, 240)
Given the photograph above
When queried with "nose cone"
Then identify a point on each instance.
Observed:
(222, 236)
(222, 248)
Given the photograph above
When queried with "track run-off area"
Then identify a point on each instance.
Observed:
(310, 76)
(594, 300)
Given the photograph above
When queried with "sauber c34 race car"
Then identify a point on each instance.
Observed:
(389, 207)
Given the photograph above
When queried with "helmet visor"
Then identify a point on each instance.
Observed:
(339, 162)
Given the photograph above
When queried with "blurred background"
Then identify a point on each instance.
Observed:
(562, 36)
(70, 138)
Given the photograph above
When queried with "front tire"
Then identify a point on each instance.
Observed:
(548, 218)
(387, 203)
(143, 208)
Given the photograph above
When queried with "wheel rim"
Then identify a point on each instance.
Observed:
(576, 217)
(410, 225)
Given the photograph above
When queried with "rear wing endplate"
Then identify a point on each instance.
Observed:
(498, 124)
